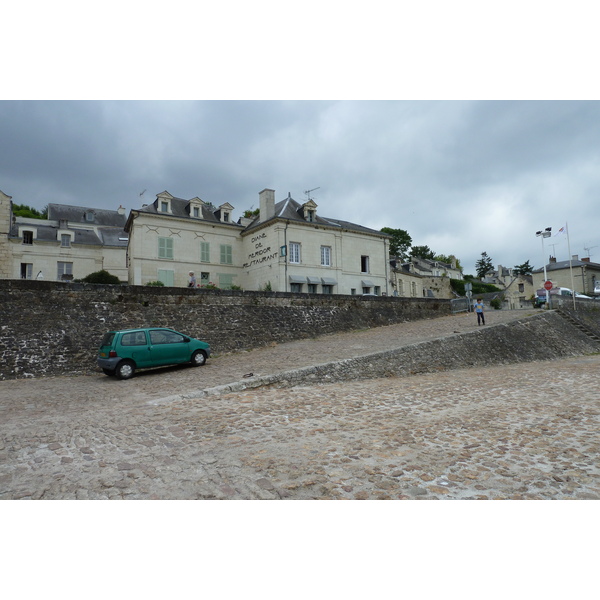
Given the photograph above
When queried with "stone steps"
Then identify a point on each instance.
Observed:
(579, 325)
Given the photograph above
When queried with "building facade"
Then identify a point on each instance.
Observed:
(288, 247)
(71, 243)
(582, 274)
(517, 289)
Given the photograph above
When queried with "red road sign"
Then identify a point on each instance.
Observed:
(547, 285)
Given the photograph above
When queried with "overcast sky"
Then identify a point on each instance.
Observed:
(461, 177)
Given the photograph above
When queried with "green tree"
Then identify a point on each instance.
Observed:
(484, 265)
(22, 210)
(399, 243)
(447, 259)
(422, 252)
(524, 269)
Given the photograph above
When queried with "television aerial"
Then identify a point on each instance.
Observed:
(307, 192)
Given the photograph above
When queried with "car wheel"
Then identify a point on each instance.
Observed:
(125, 369)
(198, 358)
(109, 372)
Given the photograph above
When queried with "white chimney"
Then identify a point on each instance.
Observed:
(121, 210)
(267, 204)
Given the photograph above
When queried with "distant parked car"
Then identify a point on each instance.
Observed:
(122, 352)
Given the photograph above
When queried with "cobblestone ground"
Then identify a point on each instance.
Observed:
(527, 431)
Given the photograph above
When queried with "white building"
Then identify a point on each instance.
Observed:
(72, 242)
(288, 247)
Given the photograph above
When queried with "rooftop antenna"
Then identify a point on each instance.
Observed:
(588, 248)
(307, 192)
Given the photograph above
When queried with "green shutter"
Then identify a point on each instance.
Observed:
(226, 255)
(165, 247)
(204, 252)
(166, 277)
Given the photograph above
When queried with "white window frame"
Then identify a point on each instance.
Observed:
(28, 270)
(364, 262)
(31, 233)
(325, 256)
(65, 240)
(63, 268)
(295, 255)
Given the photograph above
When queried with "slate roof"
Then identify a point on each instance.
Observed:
(564, 264)
(290, 210)
(77, 214)
(180, 208)
(108, 223)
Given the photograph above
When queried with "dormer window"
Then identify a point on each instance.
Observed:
(224, 213)
(28, 237)
(89, 216)
(194, 208)
(310, 211)
(163, 202)
(65, 240)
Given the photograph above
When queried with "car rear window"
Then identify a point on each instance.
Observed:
(135, 338)
(108, 338)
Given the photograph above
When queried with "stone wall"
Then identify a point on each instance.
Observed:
(51, 328)
(586, 312)
(546, 336)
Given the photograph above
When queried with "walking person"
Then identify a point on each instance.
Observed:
(479, 310)
(192, 281)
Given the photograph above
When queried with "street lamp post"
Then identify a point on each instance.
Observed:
(544, 234)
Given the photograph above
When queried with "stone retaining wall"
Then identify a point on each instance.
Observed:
(541, 337)
(586, 312)
(52, 328)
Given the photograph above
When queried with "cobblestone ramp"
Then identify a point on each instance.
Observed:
(546, 336)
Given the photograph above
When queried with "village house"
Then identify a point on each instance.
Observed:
(517, 289)
(585, 280)
(425, 278)
(72, 242)
(404, 281)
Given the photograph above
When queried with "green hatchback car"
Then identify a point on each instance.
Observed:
(122, 352)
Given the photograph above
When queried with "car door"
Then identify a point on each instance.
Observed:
(134, 345)
(168, 347)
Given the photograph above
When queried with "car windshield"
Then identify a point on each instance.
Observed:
(108, 338)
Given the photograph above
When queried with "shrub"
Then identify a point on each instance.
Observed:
(156, 283)
(101, 277)
(496, 303)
